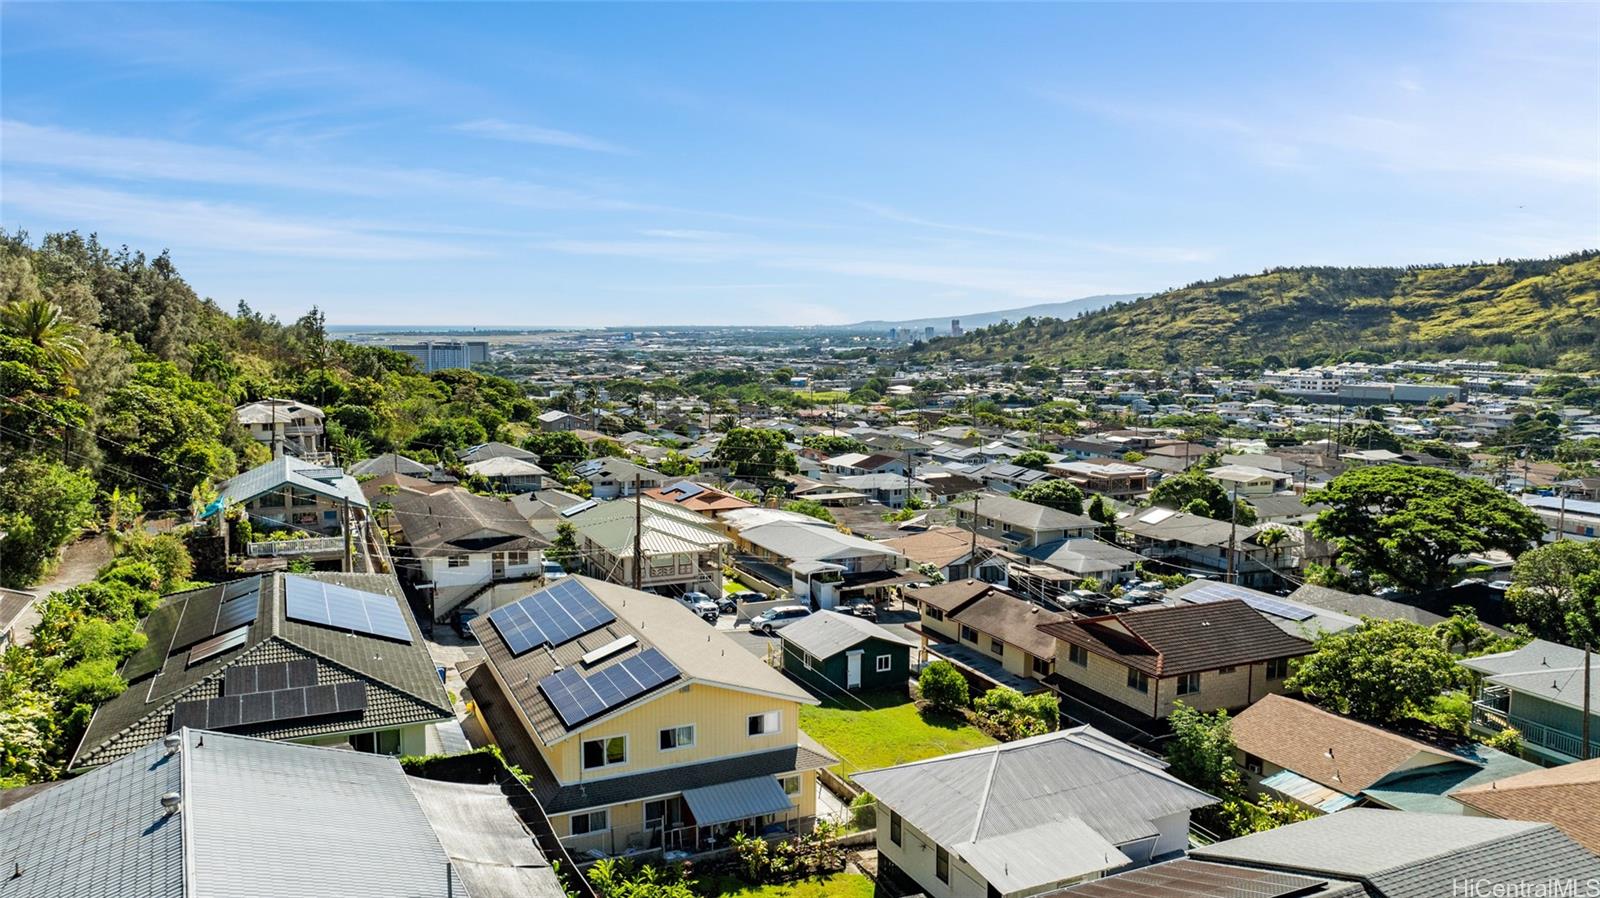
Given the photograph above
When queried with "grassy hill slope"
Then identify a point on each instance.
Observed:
(1531, 312)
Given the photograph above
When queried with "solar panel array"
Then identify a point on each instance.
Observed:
(685, 488)
(551, 616)
(241, 600)
(1207, 593)
(216, 645)
(243, 678)
(580, 508)
(278, 705)
(577, 698)
(342, 608)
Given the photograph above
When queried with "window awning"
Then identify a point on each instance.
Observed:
(738, 800)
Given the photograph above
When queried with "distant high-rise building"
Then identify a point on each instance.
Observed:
(436, 355)
(955, 327)
(894, 333)
(927, 332)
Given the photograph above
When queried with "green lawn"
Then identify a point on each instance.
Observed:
(892, 732)
(824, 395)
(839, 885)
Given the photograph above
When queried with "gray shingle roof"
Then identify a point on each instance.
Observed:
(1412, 855)
(453, 520)
(988, 792)
(1018, 513)
(1179, 639)
(286, 470)
(828, 632)
(403, 687)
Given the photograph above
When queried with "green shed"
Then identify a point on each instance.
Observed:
(829, 651)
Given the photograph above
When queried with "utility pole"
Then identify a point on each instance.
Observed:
(349, 558)
(972, 550)
(909, 470)
(1561, 518)
(638, 534)
(1588, 677)
(1233, 531)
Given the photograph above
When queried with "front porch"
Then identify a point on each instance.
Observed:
(1491, 714)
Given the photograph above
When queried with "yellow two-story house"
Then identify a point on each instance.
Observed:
(643, 728)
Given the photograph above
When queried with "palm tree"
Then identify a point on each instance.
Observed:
(42, 323)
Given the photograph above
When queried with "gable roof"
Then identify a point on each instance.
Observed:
(1083, 556)
(666, 528)
(697, 497)
(999, 796)
(506, 466)
(286, 470)
(828, 633)
(1301, 737)
(269, 411)
(454, 520)
(390, 463)
(1361, 605)
(486, 451)
(1567, 796)
(948, 597)
(256, 817)
(702, 655)
(1168, 641)
(402, 686)
(1411, 855)
(1018, 513)
(799, 541)
(1014, 620)
(1549, 670)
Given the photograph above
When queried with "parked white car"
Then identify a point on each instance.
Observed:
(774, 619)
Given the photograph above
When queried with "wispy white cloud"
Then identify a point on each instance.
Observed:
(498, 129)
(220, 226)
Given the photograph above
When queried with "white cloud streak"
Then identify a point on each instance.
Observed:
(498, 129)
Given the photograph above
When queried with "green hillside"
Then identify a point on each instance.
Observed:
(1531, 312)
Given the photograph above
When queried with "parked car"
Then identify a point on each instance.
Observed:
(441, 671)
(727, 605)
(863, 610)
(460, 621)
(774, 619)
(552, 570)
(701, 604)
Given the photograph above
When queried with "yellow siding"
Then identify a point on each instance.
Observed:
(719, 717)
(1218, 690)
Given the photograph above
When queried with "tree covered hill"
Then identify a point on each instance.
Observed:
(1531, 312)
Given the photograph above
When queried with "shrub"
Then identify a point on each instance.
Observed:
(943, 686)
(1508, 740)
(1009, 715)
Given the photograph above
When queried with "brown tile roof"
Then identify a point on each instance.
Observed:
(1014, 620)
(949, 597)
(709, 500)
(1173, 640)
(1568, 796)
(939, 546)
(1300, 736)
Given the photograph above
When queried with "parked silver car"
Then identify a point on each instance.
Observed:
(774, 619)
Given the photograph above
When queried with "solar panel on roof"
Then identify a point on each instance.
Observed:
(331, 605)
(254, 708)
(583, 506)
(577, 698)
(243, 678)
(218, 644)
(685, 488)
(1207, 593)
(241, 601)
(552, 616)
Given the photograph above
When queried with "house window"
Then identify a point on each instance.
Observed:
(790, 784)
(807, 660)
(1078, 655)
(1277, 668)
(763, 724)
(996, 646)
(1041, 666)
(1252, 763)
(1188, 684)
(883, 663)
(941, 864)
(895, 833)
(677, 737)
(458, 561)
(592, 822)
(655, 812)
(932, 612)
(608, 752)
(385, 742)
(516, 558)
(968, 634)
(1137, 680)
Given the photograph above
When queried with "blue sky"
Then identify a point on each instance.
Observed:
(614, 164)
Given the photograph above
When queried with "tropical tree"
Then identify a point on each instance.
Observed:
(810, 508)
(43, 324)
(1555, 591)
(1383, 671)
(1058, 494)
(1196, 493)
(754, 453)
(1201, 751)
(1408, 522)
(1033, 459)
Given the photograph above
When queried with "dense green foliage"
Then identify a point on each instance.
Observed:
(1057, 494)
(1007, 714)
(43, 503)
(1531, 312)
(1555, 591)
(1384, 671)
(1407, 522)
(809, 508)
(751, 453)
(1195, 493)
(1201, 750)
(942, 686)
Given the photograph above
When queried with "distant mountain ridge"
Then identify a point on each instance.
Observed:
(1543, 312)
(1066, 309)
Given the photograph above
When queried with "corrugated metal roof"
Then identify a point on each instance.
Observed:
(827, 633)
(1199, 879)
(1308, 792)
(1050, 852)
(738, 800)
(287, 470)
(488, 846)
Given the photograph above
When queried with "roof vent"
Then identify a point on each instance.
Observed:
(173, 802)
(173, 742)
